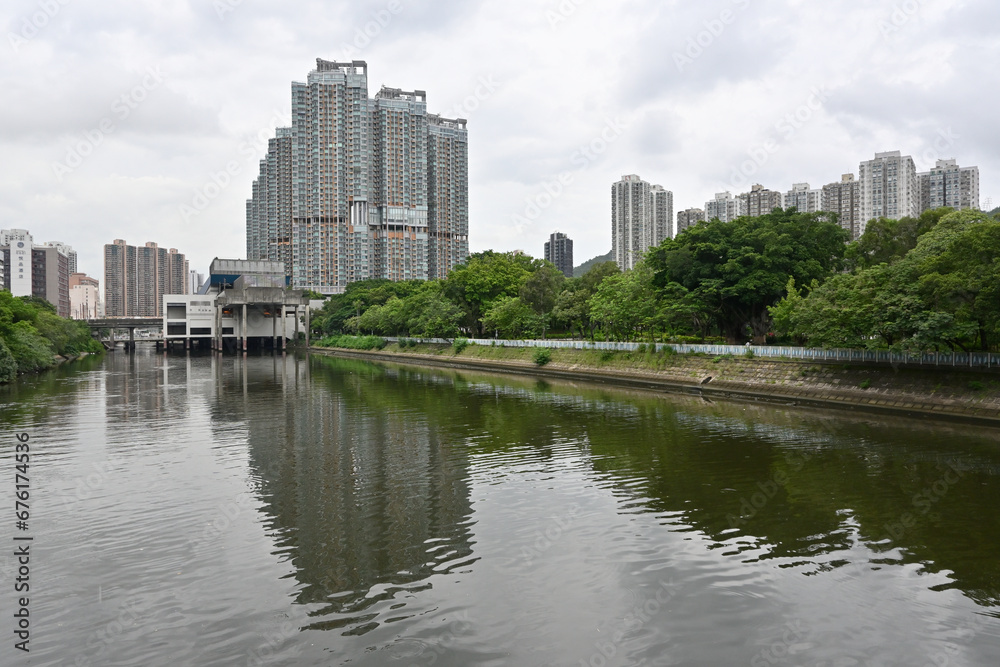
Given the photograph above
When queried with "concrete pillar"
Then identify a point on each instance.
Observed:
(131, 338)
(284, 328)
(296, 339)
(308, 331)
(274, 328)
(243, 329)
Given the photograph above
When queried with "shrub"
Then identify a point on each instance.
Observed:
(668, 350)
(607, 355)
(641, 348)
(976, 385)
(460, 344)
(354, 342)
(542, 356)
(716, 360)
(865, 383)
(8, 366)
(749, 353)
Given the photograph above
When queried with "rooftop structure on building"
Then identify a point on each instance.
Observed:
(689, 218)
(724, 207)
(888, 187)
(559, 251)
(36, 269)
(759, 201)
(641, 217)
(803, 199)
(361, 188)
(949, 185)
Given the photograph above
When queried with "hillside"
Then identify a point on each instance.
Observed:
(583, 268)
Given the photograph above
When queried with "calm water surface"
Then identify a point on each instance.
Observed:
(216, 511)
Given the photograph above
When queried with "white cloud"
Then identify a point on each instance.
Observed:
(897, 74)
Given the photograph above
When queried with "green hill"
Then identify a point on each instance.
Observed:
(583, 268)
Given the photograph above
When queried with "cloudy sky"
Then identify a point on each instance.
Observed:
(145, 119)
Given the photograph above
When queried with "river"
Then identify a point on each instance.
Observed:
(206, 510)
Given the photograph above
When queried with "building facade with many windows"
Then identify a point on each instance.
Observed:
(136, 278)
(844, 199)
(360, 188)
(40, 270)
(559, 251)
(641, 217)
(888, 187)
(948, 185)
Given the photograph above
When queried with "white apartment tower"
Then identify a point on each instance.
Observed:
(641, 216)
(949, 185)
(724, 207)
(888, 187)
(844, 199)
(803, 199)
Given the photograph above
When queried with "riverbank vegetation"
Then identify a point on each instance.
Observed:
(31, 335)
(930, 283)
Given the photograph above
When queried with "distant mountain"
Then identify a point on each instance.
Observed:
(993, 212)
(583, 268)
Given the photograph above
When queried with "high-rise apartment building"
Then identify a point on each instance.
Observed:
(40, 270)
(135, 279)
(949, 185)
(844, 199)
(559, 251)
(448, 203)
(269, 210)
(724, 207)
(759, 201)
(663, 214)
(888, 187)
(360, 188)
(641, 216)
(689, 218)
(803, 199)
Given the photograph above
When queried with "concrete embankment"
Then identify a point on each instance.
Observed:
(952, 395)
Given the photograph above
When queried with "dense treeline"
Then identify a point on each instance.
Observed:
(31, 335)
(931, 282)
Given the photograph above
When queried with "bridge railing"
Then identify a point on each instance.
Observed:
(978, 360)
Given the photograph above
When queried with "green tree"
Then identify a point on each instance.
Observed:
(625, 304)
(572, 307)
(887, 240)
(510, 317)
(541, 289)
(482, 280)
(731, 272)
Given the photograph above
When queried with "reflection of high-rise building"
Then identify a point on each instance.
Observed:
(948, 185)
(559, 251)
(135, 279)
(40, 270)
(349, 506)
(360, 188)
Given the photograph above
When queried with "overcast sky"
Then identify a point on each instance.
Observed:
(119, 118)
